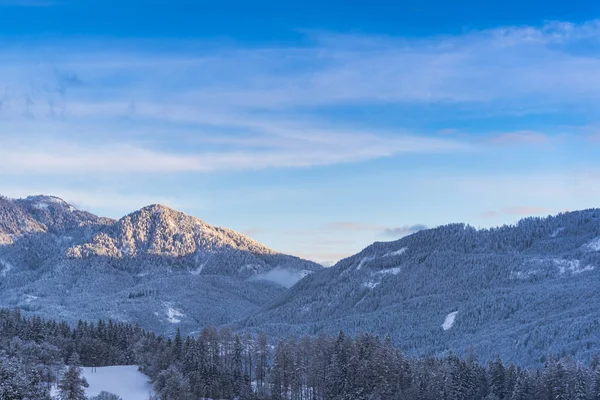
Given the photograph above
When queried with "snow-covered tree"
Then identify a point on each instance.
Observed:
(106, 396)
(172, 385)
(72, 385)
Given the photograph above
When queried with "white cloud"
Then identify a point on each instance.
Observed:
(274, 147)
(509, 68)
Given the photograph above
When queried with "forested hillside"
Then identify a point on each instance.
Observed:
(221, 365)
(157, 267)
(516, 291)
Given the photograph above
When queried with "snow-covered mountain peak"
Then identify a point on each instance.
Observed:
(57, 259)
(162, 231)
(44, 201)
(41, 214)
(157, 209)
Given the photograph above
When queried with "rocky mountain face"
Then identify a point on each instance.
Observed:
(517, 291)
(157, 266)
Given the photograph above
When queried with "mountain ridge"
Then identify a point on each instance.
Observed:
(507, 291)
(156, 265)
(160, 230)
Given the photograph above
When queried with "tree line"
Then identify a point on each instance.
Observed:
(221, 364)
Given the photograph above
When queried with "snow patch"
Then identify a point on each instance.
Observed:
(371, 284)
(587, 268)
(29, 298)
(44, 202)
(41, 206)
(594, 245)
(390, 271)
(173, 315)
(449, 321)
(6, 267)
(363, 262)
(198, 270)
(572, 266)
(396, 253)
(52, 199)
(557, 232)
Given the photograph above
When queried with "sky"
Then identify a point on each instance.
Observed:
(316, 128)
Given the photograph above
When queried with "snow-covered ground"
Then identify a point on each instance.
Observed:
(363, 262)
(572, 266)
(371, 284)
(393, 271)
(6, 267)
(594, 245)
(449, 321)
(557, 232)
(174, 315)
(124, 381)
(396, 253)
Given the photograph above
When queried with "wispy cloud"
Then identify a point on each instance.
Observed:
(393, 232)
(404, 230)
(82, 109)
(354, 226)
(520, 137)
(263, 115)
(312, 149)
(511, 69)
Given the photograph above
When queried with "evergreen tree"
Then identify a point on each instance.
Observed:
(72, 385)
(337, 378)
(18, 384)
(177, 345)
(581, 386)
(498, 379)
(596, 387)
(105, 396)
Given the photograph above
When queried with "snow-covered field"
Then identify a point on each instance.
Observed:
(125, 381)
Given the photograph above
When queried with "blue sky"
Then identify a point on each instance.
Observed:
(314, 127)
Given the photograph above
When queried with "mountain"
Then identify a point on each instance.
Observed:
(520, 291)
(41, 214)
(157, 266)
